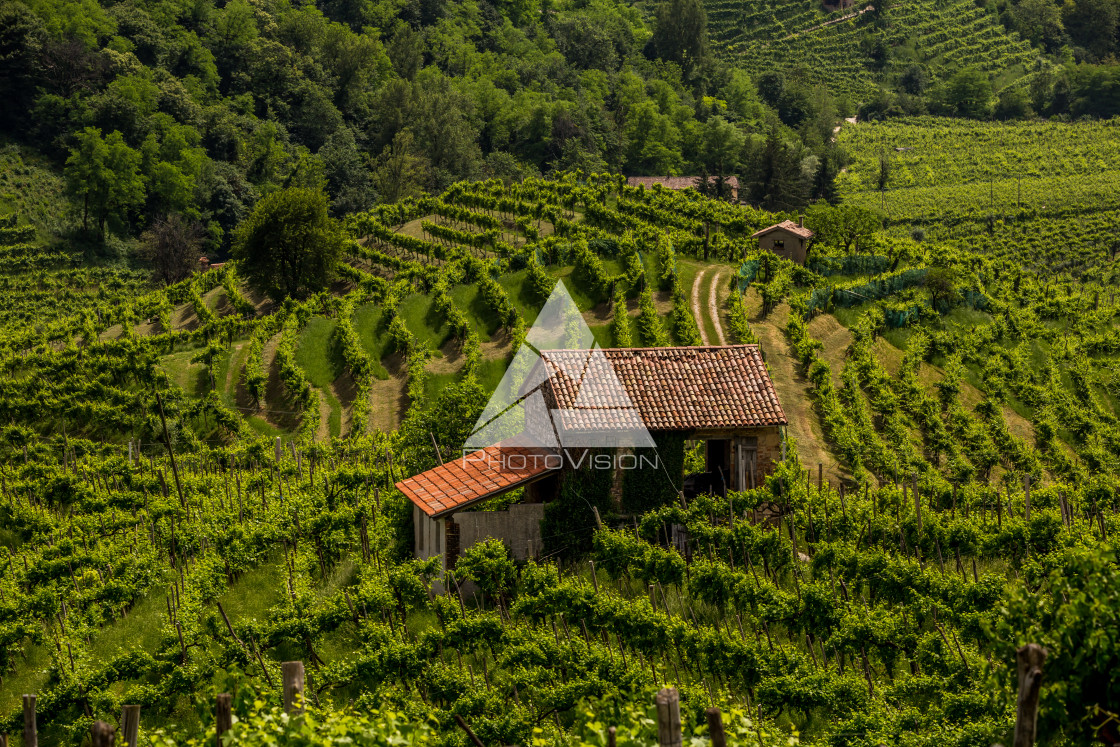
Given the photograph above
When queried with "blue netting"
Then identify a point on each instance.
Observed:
(747, 273)
(853, 264)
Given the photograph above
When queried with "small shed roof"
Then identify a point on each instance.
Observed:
(473, 477)
(786, 225)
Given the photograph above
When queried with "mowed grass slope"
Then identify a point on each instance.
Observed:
(320, 360)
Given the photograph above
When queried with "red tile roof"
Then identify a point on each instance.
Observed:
(473, 477)
(678, 182)
(786, 225)
(681, 388)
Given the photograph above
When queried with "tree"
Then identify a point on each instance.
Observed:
(914, 79)
(1014, 103)
(968, 93)
(172, 245)
(721, 147)
(399, 172)
(1041, 22)
(104, 173)
(941, 282)
(681, 34)
(773, 174)
(771, 86)
(843, 226)
(348, 179)
(832, 159)
(1091, 25)
(653, 141)
(21, 43)
(289, 247)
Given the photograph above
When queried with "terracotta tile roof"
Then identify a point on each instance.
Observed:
(677, 182)
(475, 476)
(679, 388)
(786, 225)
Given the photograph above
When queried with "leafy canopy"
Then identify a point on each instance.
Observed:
(289, 247)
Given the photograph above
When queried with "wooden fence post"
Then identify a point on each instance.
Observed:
(715, 727)
(130, 725)
(1029, 659)
(101, 734)
(292, 672)
(223, 715)
(669, 717)
(30, 730)
(917, 500)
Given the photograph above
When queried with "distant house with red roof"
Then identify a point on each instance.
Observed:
(721, 395)
(786, 239)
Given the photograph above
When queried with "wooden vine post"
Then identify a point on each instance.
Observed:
(130, 725)
(292, 672)
(668, 717)
(1029, 659)
(101, 734)
(30, 730)
(170, 451)
(715, 727)
(223, 715)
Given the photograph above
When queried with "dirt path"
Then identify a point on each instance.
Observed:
(713, 305)
(696, 305)
(323, 432)
(825, 24)
(792, 388)
(235, 365)
(836, 338)
(388, 398)
(184, 318)
(277, 408)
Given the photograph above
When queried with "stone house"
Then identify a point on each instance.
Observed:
(721, 395)
(786, 239)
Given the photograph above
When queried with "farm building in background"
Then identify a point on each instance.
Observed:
(786, 239)
(730, 184)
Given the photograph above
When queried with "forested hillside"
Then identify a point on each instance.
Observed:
(195, 109)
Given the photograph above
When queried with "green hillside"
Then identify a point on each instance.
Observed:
(877, 601)
(262, 260)
(1040, 193)
(855, 50)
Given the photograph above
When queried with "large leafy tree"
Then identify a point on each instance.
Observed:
(721, 148)
(842, 226)
(104, 175)
(681, 34)
(289, 247)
